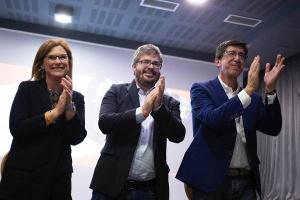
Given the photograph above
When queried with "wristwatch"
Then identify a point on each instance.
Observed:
(71, 107)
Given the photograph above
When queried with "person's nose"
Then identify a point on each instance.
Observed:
(57, 60)
(150, 66)
(238, 58)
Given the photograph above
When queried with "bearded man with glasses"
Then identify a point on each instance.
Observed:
(222, 160)
(137, 119)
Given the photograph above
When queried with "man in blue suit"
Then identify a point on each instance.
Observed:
(222, 161)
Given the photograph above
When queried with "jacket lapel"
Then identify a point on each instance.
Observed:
(219, 92)
(222, 98)
(133, 94)
(42, 94)
(156, 134)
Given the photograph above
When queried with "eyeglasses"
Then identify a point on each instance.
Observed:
(233, 54)
(155, 64)
(62, 57)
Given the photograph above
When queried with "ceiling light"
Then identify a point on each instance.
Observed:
(160, 4)
(197, 1)
(241, 20)
(63, 13)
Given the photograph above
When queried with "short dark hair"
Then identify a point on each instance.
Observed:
(223, 45)
(146, 49)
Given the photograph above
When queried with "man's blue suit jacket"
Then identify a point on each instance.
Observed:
(207, 159)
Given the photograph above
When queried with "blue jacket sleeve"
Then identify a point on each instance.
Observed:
(206, 109)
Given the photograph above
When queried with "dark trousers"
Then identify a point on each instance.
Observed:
(38, 184)
(233, 188)
(132, 191)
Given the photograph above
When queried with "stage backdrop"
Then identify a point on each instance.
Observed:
(96, 67)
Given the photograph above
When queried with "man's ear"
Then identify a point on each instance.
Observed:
(133, 67)
(218, 62)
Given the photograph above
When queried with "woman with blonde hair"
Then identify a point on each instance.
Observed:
(46, 118)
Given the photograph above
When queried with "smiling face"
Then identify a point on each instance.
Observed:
(145, 71)
(56, 63)
(231, 63)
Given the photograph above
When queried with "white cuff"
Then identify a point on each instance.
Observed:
(271, 98)
(139, 117)
(244, 98)
(156, 109)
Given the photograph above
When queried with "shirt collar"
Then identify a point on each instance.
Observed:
(141, 92)
(228, 89)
